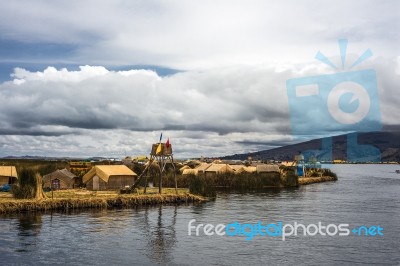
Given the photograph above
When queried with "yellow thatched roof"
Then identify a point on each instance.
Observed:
(267, 168)
(219, 168)
(250, 169)
(64, 173)
(202, 167)
(288, 163)
(105, 171)
(154, 165)
(237, 168)
(189, 172)
(184, 168)
(8, 171)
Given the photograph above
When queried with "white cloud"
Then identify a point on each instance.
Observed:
(95, 111)
(220, 100)
(230, 97)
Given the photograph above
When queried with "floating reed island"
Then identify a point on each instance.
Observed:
(312, 180)
(72, 199)
(189, 184)
(262, 177)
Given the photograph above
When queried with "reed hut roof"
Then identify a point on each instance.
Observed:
(184, 168)
(106, 171)
(154, 166)
(193, 162)
(219, 168)
(267, 168)
(237, 168)
(189, 171)
(202, 167)
(64, 175)
(60, 173)
(10, 171)
(250, 169)
(288, 163)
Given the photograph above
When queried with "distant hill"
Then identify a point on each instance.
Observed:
(388, 144)
(47, 158)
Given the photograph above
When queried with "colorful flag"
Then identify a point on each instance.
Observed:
(158, 151)
(167, 144)
(160, 137)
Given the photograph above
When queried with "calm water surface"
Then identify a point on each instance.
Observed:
(364, 194)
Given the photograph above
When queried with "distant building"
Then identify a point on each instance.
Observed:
(250, 169)
(339, 161)
(189, 171)
(127, 160)
(103, 177)
(201, 168)
(267, 168)
(270, 173)
(8, 175)
(216, 169)
(288, 163)
(60, 179)
(80, 168)
(237, 169)
(184, 168)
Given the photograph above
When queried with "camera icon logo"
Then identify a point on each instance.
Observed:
(338, 103)
(333, 103)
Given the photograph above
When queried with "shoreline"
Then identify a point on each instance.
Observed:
(65, 203)
(124, 201)
(312, 180)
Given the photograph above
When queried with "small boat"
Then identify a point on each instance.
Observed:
(398, 171)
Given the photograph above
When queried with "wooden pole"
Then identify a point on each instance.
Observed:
(145, 184)
(173, 166)
(161, 167)
(142, 174)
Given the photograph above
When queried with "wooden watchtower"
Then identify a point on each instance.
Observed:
(161, 154)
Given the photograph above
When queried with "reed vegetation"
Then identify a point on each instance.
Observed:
(79, 199)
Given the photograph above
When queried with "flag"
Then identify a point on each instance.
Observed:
(158, 151)
(167, 144)
(160, 137)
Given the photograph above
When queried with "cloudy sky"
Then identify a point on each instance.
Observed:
(105, 78)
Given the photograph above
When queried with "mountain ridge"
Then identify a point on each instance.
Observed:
(387, 143)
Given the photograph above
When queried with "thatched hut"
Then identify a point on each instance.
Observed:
(268, 168)
(288, 163)
(238, 169)
(8, 175)
(201, 168)
(60, 179)
(103, 177)
(270, 173)
(216, 169)
(184, 168)
(189, 171)
(250, 169)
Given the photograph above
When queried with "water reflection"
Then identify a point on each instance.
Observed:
(160, 234)
(29, 226)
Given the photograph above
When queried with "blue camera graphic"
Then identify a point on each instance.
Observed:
(334, 104)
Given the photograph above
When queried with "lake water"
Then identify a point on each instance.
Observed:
(364, 195)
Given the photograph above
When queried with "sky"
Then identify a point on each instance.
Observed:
(105, 78)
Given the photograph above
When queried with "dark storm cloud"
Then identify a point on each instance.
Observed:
(140, 100)
(33, 132)
(270, 144)
(221, 101)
